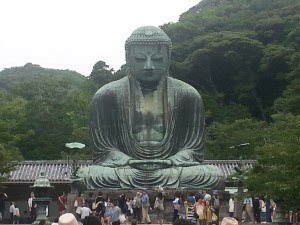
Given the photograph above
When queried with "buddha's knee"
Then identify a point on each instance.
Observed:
(206, 176)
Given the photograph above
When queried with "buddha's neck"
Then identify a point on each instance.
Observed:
(147, 88)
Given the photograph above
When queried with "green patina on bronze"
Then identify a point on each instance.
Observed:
(41, 188)
(147, 128)
(42, 181)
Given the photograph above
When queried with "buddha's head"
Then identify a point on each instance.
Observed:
(148, 54)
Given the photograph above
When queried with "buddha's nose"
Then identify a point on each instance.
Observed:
(149, 64)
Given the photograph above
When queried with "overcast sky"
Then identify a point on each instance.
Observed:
(75, 34)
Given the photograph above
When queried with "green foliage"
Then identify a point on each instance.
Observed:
(224, 139)
(102, 74)
(270, 30)
(56, 113)
(278, 170)
(240, 51)
(214, 111)
(290, 100)
(12, 113)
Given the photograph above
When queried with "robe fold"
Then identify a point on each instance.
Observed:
(114, 143)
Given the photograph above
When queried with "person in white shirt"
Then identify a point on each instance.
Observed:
(231, 206)
(32, 207)
(11, 211)
(85, 211)
(176, 207)
(263, 211)
(16, 215)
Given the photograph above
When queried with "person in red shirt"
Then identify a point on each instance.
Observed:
(62, 204)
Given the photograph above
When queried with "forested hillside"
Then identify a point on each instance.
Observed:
(12, 76)
(41, 110)
(243, 56)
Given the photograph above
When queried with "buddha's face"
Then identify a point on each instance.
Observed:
(148, 63)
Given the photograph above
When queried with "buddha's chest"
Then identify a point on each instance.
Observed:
(148, 118)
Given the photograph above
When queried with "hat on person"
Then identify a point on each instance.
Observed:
(139, 194)
(67, 219)
(229, 221)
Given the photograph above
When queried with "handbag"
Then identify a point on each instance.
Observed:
(214, 217)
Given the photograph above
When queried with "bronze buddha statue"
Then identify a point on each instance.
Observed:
(147, 128)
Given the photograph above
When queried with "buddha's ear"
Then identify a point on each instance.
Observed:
(168, 55)
(128, 51)
(128, 61)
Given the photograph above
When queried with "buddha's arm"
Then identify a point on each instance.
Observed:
(183, 158)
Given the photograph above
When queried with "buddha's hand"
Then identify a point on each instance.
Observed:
(145, 164)
(116, 159)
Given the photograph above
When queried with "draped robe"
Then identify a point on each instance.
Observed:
(114, 144)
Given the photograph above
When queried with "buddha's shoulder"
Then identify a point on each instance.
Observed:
(113, 87)
(180, 86)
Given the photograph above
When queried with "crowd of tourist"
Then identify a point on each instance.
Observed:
(201, 208)
(259, 210)
(117, 211)
(14, 211)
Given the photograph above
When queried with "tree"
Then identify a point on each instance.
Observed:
(101, 73)
(224, 139)
(12, 113)
(277, 172)
(47, 116)
(270, 30)
(289, 102)
(237, 52)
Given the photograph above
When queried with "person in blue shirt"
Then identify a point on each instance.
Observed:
(145, 207)
(113, 214)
